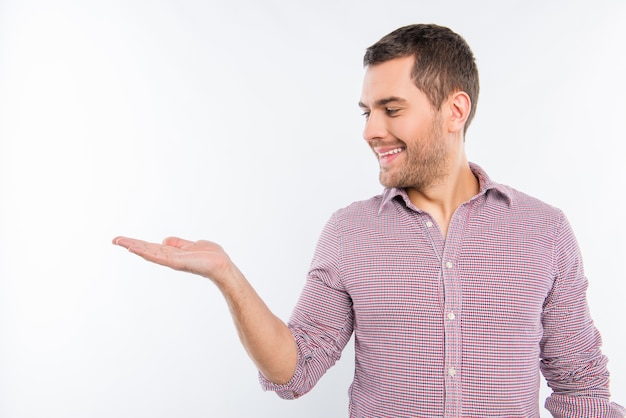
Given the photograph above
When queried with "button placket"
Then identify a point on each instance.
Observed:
(452, 308)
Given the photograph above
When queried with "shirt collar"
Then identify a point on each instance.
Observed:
(484, 181)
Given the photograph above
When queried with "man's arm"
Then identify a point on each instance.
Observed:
(266, 338)
(572, 361)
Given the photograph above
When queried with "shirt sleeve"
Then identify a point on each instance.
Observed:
(322, 321)
(572, 361)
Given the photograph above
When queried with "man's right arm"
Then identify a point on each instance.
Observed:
(266, 338)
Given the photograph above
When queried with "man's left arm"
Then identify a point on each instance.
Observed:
(571, 359)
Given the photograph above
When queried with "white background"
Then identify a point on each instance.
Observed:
(238, 122)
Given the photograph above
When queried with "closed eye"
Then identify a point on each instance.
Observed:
(390, 111)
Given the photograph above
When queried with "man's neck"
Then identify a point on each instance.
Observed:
(443, 198)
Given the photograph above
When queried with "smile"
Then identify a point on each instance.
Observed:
(391, 152)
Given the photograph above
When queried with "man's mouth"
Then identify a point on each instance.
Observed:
(390, 152)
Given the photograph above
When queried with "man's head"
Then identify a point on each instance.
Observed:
(419, 91)
(444, 62)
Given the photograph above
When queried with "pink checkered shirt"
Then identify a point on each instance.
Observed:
(455, 327)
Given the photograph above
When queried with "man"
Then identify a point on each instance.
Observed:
(458, 289)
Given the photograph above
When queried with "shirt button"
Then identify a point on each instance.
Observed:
(429, 224)
(449, 264)
(451, 316)
(452, 371)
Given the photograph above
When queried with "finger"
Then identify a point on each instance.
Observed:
(128, 242)
(116, 239)
(158, 253)
(177, 242)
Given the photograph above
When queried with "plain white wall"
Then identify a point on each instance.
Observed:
(237, 122)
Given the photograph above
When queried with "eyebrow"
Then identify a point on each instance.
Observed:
(384, 102)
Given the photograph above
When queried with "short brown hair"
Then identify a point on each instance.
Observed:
(444, 62)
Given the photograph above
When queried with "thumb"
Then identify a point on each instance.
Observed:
(176, 242)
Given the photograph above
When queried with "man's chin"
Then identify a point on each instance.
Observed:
(388, 181)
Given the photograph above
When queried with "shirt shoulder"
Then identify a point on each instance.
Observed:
(361, 209)
(524, 204)
(498, 194)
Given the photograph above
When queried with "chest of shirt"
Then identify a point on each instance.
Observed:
(497, 270)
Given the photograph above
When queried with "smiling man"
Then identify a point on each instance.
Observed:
(419, 143)
(459, 290)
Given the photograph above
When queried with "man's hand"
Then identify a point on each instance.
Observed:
(204, 258)
(267, 339)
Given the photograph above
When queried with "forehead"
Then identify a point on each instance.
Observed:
(389, 78)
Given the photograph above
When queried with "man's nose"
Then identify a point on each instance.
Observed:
(375, 127)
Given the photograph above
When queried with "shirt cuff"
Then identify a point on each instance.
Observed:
(562, 406)
(295, 387)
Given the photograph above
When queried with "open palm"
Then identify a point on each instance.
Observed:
(204, 258)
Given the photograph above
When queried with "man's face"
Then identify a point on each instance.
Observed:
(403, 129)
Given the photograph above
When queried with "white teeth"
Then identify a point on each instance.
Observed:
(393, 151)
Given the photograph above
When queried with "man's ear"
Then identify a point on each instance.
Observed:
(459, 105)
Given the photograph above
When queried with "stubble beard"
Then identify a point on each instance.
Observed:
(424, 165)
